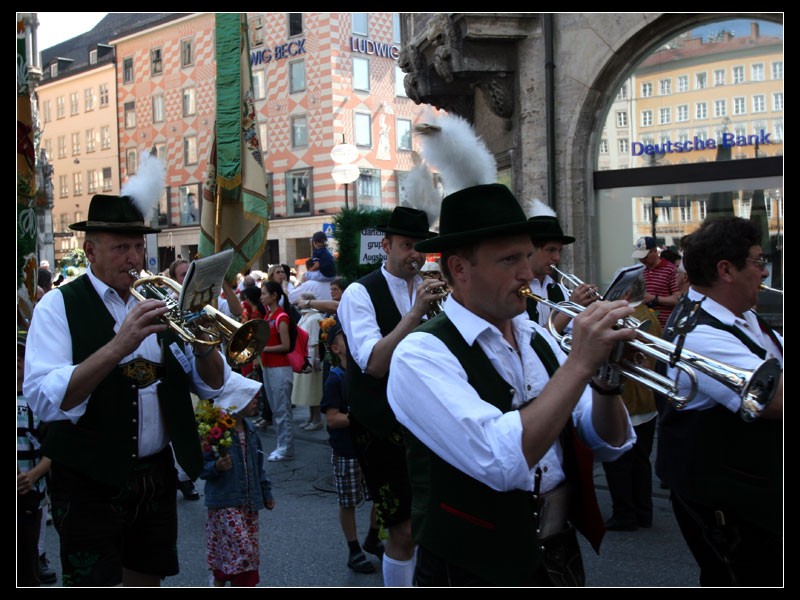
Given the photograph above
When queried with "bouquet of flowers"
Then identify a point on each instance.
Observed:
(214, 427)
(325, 326)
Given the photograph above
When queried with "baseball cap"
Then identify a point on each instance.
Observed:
(643, 247)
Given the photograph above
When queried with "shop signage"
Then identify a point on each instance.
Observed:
(365, 46)
(729, 140)
(371, 251)
(293, 48)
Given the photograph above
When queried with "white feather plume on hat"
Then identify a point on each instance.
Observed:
(537, 208)
(420, 191)
(146, 186)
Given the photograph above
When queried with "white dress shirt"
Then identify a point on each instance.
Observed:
(430, 394)
(358, 318)
(722, 346)
(540, 289)
(49, 366)
(320, 289)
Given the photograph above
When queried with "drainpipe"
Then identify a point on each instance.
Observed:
(550, 118)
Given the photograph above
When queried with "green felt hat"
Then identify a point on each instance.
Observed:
(115, 214)
(407, 221)
(548, 229)
(477, 213)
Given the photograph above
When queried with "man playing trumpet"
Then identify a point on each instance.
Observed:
(114, 385)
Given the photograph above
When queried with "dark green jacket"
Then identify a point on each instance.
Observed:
(103, 443)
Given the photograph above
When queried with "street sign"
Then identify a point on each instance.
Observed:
(345, 173)
(344, 153)
(329, 229)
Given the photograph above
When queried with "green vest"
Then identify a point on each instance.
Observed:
(103, 444)
(368, 400)
(716, 459)
(489, 533)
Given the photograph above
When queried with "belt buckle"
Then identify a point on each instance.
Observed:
(140, 371)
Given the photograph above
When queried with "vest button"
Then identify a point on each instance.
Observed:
(133, 438)
(133, 420)
(133, 456)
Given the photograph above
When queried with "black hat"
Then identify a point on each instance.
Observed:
(115, 214)
(409, 222)
(548, 229)
(477, 213)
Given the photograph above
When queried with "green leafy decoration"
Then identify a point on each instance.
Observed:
(349, 223)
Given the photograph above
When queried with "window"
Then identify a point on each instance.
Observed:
(297, 76)
(397, 36)
(603, 146)
(257, 31)
(91, 181)
(683, 83)
(103, 94)
(664, 214)
(106, 179)
(665, 87)
(105, 137)
(295, 24)
(90, 140)
(399, 82)
(262, 136)
(298, 193)
(77, 184)
(777, 101)
(259, 84)
(647, 212)
(88, 99)
(187, 53)
(76, 144)
(60, 107)
(368, 188)
(702, 210)
(130, 115)
(738, 75)
(361, 74)
(190, 150)
(161, 150)
(62, 146)
(363, 129)
(131, 161)
(46, 110)
(701, 134)
(685, 210)
(162, 211)
(757, 72)
(188, 102)
(622, 145)
(73, 103)
(682, 113)
(745, 205)
(63, 221)
(54, 70)
(647, 118)
(158, 108)
(701, 110)
(127, 70)
(189, 207)
(48, 148)
(299, 132)
(700, 81)
(63, 186)
(93, 57)
(622, 118)
(759, 103)
(403, 134)
(647, 90)
(664, 116)
(777, 70)
(719, 76)
(720, 108)
(622, 94)
(359, 22)
(739, 105)
(156, 64)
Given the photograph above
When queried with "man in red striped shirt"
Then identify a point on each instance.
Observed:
(659, 275)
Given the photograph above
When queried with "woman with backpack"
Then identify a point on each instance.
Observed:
(278, 374)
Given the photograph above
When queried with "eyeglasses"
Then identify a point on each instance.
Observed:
(761, 262)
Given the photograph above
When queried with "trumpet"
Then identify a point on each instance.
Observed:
(436, 305)
(243, 341)
(755, 387)
(571, 281)
(766, 288)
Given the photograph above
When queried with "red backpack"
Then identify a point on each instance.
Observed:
(298, 355)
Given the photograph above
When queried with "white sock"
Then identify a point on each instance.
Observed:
(397, 573)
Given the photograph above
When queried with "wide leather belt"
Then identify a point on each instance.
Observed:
(142, 372)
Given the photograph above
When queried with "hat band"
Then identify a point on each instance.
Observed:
(113, 225)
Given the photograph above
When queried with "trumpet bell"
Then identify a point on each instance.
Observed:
(243, 341)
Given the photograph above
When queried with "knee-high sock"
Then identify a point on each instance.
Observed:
(397, 573)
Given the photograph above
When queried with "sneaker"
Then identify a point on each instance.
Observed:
(360, 563)
(46, 572)
(313, 426)
(279, 456)
(374, 547)
(188, 490)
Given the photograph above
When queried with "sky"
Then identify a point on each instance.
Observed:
(56, 27)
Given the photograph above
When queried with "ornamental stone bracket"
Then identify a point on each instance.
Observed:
(448, 55)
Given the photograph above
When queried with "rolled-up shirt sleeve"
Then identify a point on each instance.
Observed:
(453, 421)
(359, 323)
(48, 361)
